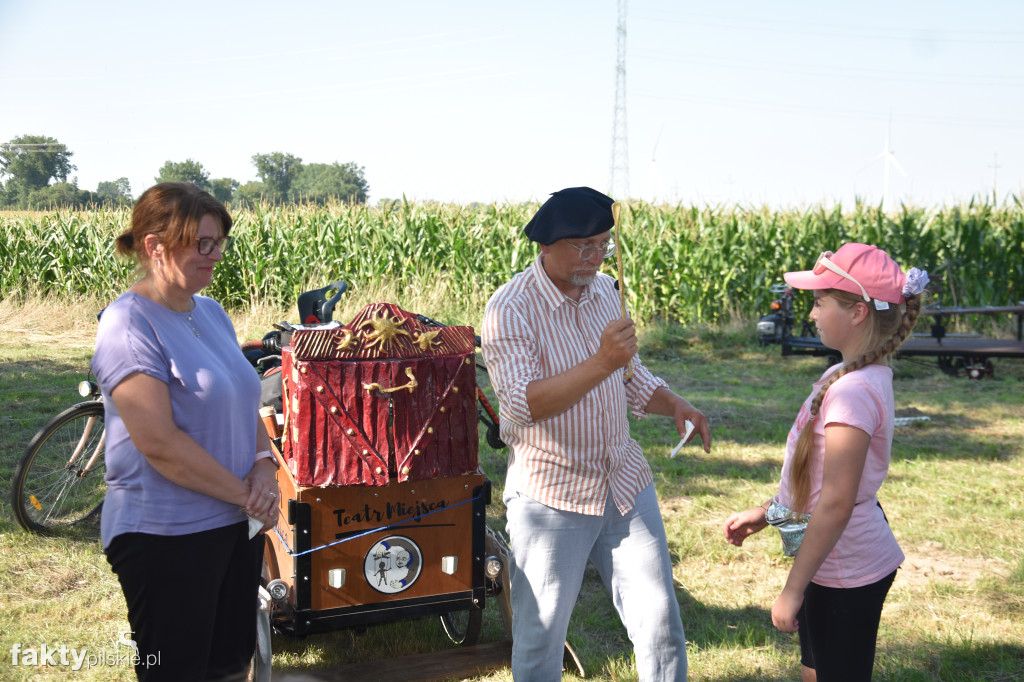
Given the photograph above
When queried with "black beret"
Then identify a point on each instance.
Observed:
(573, 213)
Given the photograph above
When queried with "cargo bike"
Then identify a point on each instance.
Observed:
(382, 505)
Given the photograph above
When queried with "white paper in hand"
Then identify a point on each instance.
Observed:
(254, 526)
(689, 430)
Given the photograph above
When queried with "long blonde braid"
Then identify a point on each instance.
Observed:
(892, 325)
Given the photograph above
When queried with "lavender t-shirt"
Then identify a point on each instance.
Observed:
(214, 398)
(867, 551)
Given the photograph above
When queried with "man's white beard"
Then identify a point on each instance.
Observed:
(579, 280)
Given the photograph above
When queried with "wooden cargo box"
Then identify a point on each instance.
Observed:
(368, 554)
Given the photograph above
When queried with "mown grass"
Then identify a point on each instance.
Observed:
(954, 498)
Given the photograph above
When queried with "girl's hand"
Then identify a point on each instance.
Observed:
(742, 525)
(785, 609)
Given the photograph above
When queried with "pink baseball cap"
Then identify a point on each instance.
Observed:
(857, 268)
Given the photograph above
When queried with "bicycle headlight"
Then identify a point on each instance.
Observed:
(278, 589)
(88, 389)
(492, 567)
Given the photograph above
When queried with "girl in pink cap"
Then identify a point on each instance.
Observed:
(837, 455)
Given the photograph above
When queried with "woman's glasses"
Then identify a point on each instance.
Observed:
(206, 244)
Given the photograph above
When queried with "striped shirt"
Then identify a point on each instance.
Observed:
(532, 331)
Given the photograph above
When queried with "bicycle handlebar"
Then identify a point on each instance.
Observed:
(271, 345)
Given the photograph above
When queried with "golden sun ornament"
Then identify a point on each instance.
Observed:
(386, 331)
(347, 341)
(427, 341)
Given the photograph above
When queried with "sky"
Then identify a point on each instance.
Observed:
(785, 104)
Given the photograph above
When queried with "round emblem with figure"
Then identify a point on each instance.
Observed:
(393, 564)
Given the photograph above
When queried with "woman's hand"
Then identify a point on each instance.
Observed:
(742, 525)
(262, 502)
(785, 609)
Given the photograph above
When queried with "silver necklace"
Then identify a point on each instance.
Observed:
(188, 315)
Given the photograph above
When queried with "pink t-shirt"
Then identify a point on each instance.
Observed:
(867, 551)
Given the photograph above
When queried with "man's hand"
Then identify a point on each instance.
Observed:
(685, 411)
(669, 404)
(618, 344)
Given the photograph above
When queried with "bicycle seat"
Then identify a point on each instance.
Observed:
(315, 307)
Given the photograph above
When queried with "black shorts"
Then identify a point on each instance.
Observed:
(192, 600)
(838, 628)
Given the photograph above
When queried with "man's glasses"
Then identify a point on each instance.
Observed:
(206, 244)
(825, 263)
(588, 251)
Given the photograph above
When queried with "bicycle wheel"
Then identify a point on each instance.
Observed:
(59, 481)
(262, 658)
(463, 627)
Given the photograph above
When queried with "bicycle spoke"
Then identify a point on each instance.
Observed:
(60, 479)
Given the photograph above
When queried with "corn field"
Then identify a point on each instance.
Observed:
(682, 264)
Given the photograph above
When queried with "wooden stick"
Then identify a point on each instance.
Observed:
(622, 279)
(618, 259)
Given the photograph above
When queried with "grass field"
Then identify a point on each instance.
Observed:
(954, 498)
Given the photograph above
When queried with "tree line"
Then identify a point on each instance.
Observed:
(35, 171)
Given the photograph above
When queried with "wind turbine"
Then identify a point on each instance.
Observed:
(889, 157)
(655, 176)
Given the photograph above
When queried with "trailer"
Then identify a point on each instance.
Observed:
(962, 355)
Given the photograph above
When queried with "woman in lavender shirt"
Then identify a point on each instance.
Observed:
(186, 455)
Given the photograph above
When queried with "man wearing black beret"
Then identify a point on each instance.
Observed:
(578, 486)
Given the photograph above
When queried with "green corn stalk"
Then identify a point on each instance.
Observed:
(702, 265)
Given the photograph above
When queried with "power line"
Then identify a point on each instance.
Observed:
(819, 30)
(10, 145)
(832, 71)
(763, 105)
(47, 150)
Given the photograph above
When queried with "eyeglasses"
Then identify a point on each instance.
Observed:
(588, 251)
(206, 244)
(825, 263)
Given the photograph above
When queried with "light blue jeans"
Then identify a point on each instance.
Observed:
(550, 549)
